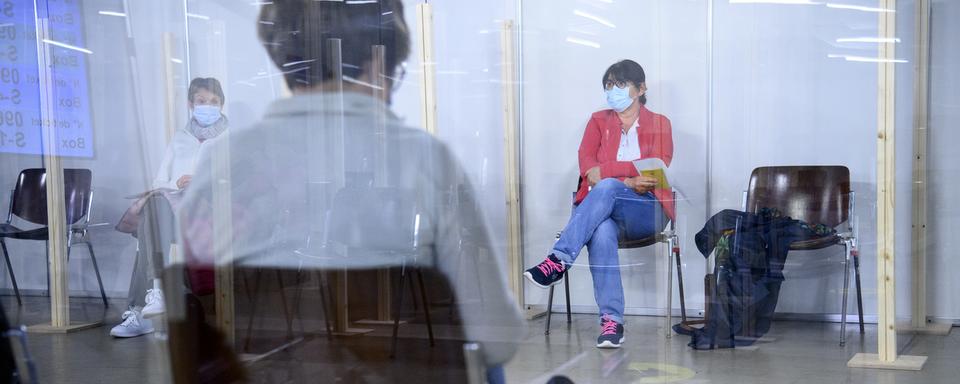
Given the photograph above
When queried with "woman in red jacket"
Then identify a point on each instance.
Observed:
(613, 199)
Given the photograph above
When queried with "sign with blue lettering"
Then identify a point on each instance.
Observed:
(21, 119)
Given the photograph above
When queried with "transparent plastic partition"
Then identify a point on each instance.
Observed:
(774, 111)
(941, 166)
(355, 208)
(340, 190)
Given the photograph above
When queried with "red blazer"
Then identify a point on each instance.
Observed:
(601, 140)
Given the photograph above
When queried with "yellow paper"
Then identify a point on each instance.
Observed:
(658, 174)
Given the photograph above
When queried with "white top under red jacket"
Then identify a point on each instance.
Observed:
(601, 141)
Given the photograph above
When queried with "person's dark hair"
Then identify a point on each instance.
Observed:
(626, 71)
(296, 35)
(208, 83)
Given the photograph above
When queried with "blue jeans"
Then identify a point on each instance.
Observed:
(495, 375)
(610, 211)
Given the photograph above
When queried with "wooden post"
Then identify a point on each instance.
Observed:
(58, 230)
(920, 110)
(921, 120)
(886, 357)
(511, 160)
(428, 87)
(56, 224)
(143, 139)
(56, 211)
(334, 61)
(217, 53)
(886, 188)
(170, 106)
(222, 201)
(378, 79)
(223, 241)
(378, 82)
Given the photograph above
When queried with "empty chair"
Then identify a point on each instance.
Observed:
(815, 195)
(28, 203)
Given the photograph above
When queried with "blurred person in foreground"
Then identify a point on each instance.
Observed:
(330, 178)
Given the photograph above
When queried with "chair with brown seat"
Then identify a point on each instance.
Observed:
(28, 203)
(815, 195)
(200, 352)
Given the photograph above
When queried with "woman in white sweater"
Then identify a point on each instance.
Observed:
(207, 122)
(205, 99)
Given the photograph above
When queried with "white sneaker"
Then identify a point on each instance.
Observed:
(155, 304)
(133, 325)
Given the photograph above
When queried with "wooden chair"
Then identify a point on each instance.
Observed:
(201, 353)
(351, 234)
(815, 195)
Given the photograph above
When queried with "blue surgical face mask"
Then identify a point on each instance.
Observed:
(206, 115)
(619, 98)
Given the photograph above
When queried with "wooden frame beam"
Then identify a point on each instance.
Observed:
(170, 106)
(886, 358)
(58, 230)
(428, 68)
(921, 108)
(511, 159)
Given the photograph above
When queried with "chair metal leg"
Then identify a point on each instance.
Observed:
(283, 302)
(324, 295)
(734, 250)
(453, 305)
(566, 288)
(96, 270)
(296, 299)
(426, 305)
(683, 302)
(13, 278)
(856, 268)
(397, 304)
(846, 283)
(413, 293)
(254, 296)
(249, 295)
(546, 330)
(476, 366)
(712, 297)
(46, 249)
(669, 334)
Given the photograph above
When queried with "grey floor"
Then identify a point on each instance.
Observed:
(92, 355)
(796, 352)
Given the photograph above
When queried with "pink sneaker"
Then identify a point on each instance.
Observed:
(547, 273)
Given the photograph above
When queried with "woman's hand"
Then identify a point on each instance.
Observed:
(184, 181)
(593, 176)
(641, 184)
